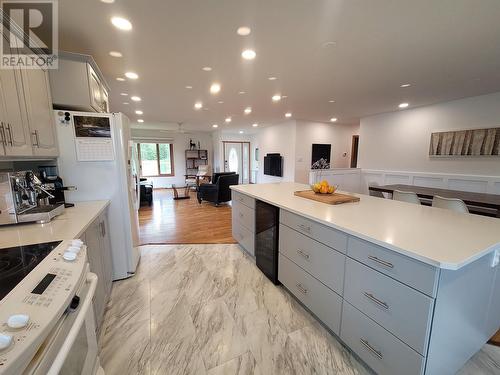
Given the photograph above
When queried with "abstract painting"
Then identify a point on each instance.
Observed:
(321, 156)
(473, 142)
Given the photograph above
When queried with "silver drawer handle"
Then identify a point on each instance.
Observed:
(303, 254)
(380, 261)
(305, 228)
(372, 298)
(301, 288)
(374, 351)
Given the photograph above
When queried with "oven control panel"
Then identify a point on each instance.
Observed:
(32, 309)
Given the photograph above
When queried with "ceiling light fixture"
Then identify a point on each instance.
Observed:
(136, 98)
(121, 23)
(215, 88)
(248, 110)
(288, 114)
(121, 79)
(215, 126)
(140, 120)
(244, 31)
(138, 112)
(248, 54)
(131, 75)
(123, 94)
(403, 105)
(255, 125)
(241, 93)
(331, 101)
(241, 131)
(108, 1)
(189, 87)
(207, 69)
(333, 119)
(115, 54)
(272, 78)
(126, 103)
(405, 85)
(276, 98)
(228, 120)
(220, 102)
(198, 105)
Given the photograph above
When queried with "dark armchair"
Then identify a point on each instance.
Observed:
(219, 191)
(146, 192)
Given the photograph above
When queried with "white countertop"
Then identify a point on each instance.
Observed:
(69, 225)
(438, 237)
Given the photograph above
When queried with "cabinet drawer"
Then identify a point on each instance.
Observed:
(323, 302)
(401, 310)
(416, 274)
(244, 236)
(319, 232)
(244, 214)
(321, 261)
(379, 349)
(242, 198)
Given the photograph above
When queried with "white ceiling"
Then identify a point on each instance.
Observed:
(447, 49)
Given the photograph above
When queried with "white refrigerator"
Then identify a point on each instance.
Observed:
(97, 155)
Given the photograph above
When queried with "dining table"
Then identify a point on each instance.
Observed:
(478, 203)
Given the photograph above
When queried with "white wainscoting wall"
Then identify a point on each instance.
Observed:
(347, 179)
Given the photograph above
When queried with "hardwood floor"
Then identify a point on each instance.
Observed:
(170, 221)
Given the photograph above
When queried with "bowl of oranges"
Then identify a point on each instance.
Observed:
(323, 187)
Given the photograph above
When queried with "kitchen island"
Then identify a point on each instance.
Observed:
(87, 221)
(410, 289)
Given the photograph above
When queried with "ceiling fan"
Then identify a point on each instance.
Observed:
(179, 130)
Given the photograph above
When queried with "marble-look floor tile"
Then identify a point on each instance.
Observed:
(218, 338)
(126, 350)
(486, 362)
(132, 308)
(243, 365)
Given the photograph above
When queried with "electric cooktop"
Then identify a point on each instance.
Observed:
(17, 262)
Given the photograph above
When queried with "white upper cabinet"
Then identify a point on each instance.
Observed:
(78, 84)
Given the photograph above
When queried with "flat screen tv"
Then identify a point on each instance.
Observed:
(273, 165)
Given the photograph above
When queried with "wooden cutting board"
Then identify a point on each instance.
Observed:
(335, 198)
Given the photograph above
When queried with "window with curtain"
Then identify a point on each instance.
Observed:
(156, 159)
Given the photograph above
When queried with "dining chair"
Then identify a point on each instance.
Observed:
(405, 196)
(453, 204)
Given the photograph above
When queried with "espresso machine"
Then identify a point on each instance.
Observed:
(20, 199)
(54, 185)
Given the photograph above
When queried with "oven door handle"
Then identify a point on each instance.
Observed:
(75, 329)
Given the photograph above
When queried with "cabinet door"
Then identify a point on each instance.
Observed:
(104, 99)
(15, 128)
(107, 263)
(40, 115)
(3, 136)
(95, 89)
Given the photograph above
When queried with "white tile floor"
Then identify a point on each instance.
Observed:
(207, 309)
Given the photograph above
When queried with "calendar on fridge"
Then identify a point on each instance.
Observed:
(93, 138)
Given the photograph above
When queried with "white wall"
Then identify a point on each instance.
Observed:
(181, 143)
(339, 136)
(399, 141)
(277, 138)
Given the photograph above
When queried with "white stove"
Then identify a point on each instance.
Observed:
(46, 309)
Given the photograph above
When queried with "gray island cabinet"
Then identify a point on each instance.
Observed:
(410, 290)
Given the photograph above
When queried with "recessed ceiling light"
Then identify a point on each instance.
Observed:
(215, 126)
(189, 87)
(241, 93)
(288, 114)
(126, 103)
(248, 54)
(241, 131)
(403, 105)
(255, 125)
(215, 88)
(138, 112)
(108, 1)
(248, 110)
(405, 85)
(121, 79)
(207, 69)
(115, 54)
(121, 23)
(272, 78)
(123, 94)
(136, 98)
(131, 75)
(198, 105)
(140, 120)
(276, 98)
(244, 30)
(331, 101)
(228, 119)
(220, 102)
(333, 119)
